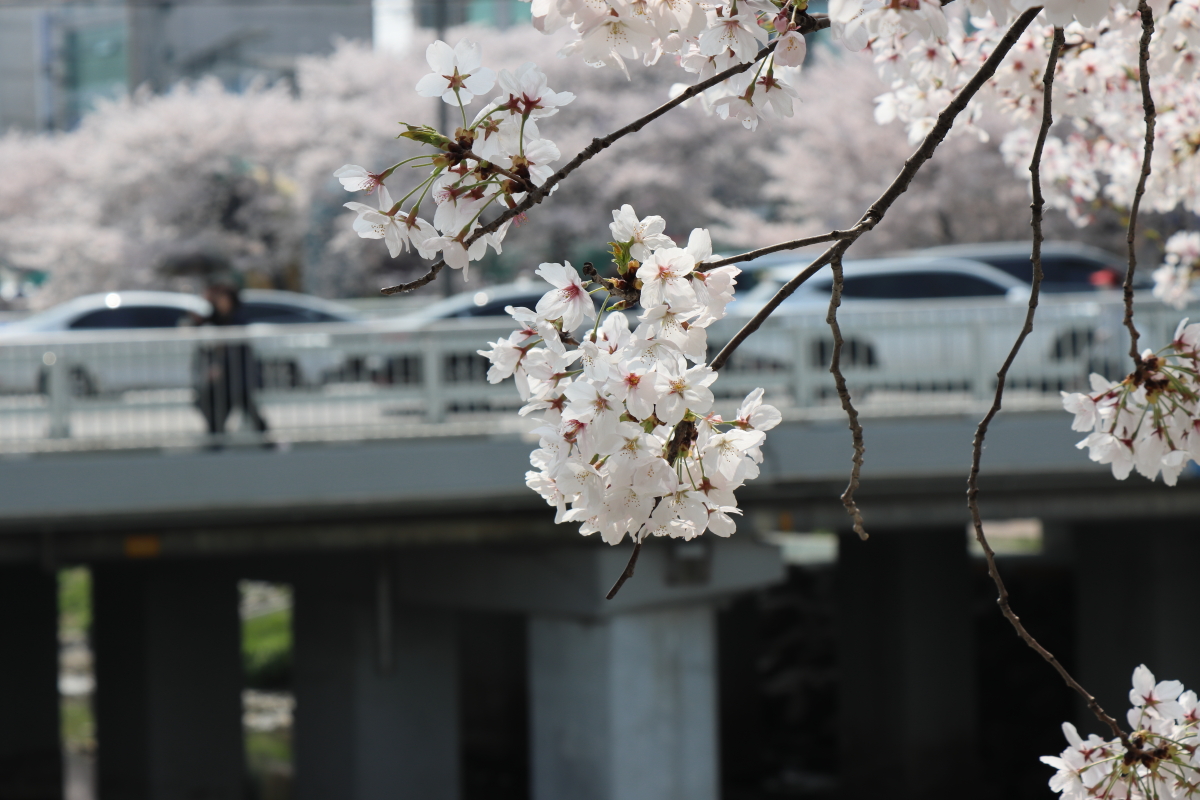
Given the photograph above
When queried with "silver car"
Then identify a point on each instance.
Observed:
(918, 320)
(96, 334)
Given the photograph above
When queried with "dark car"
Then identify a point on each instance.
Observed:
(1066, 266)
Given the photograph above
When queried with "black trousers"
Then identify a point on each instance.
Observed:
(226, 379)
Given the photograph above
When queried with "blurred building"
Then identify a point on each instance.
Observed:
(498, 13)
(58, 58)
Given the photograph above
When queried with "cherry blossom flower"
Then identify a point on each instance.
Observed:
(1157, 761)
(738, 33)
(357, 179)
(612, 38)
(665, 278)
(791, 50)
(1145, 422)
(526, 94)
(568, 300)
(756, 415)
(685, 392)
(642, 236)
(381, 223)
(458, 74)
(535, 161)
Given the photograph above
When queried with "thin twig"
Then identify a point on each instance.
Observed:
(835, 367)
(1150, 115)
(899, 185)
(627, 574)
(597, 146)
(1038, 206)
(832, 236)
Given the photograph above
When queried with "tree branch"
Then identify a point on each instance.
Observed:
(512, 176)
(628, 573)
(418, 283)
(835, 367)
(1038, 206)
(832, 236)
(1150, 116)
(899, 185)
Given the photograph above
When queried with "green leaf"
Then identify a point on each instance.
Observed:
(425, 135)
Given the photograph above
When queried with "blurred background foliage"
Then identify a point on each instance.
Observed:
(266, 635)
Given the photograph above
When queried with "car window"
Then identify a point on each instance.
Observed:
(914, 286)
(495, 308)
(282, 314)
(130, 317)
(1060, 272)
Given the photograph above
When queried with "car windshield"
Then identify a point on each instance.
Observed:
(1060, 272)
(916, 285)
(283, 313)
(130, 317)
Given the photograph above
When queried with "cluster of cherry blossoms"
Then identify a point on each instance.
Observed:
(499, 156)
(1097, 89)
(1158, 761)
(1151, 420)
(927, 53)
(629, 440)
(703, 38)
(1173, 280)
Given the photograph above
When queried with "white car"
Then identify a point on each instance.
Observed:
(880, 279)
(945, 321)
(487, 302)
(97, 334)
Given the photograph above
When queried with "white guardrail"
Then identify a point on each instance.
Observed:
(137, 389)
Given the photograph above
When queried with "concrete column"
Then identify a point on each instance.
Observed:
(30, 756)
(622, 693)
(906, 661)
(624, 707)
(1173, 570)
(1135, 590)
(376, 693)
(168, 683)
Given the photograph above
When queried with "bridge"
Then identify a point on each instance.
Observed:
(389, 492)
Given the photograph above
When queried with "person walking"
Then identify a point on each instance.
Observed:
(226, 374)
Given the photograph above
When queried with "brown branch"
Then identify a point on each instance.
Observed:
(597, 146)
(835, 367)
(1038, 206)
(1150, 117)
(418, 283)
(512, 176)
(627, 574)
(899, 185)
(832, 236)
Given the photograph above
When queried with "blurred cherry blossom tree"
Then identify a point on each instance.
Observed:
(144, 184)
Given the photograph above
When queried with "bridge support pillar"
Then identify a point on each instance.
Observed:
(906, 661)
(168, 683)
(622, 692)
(624, 708)
(1135, 601)
(376, 691)
(30, 757)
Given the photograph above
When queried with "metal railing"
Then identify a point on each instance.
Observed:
(131, 389)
